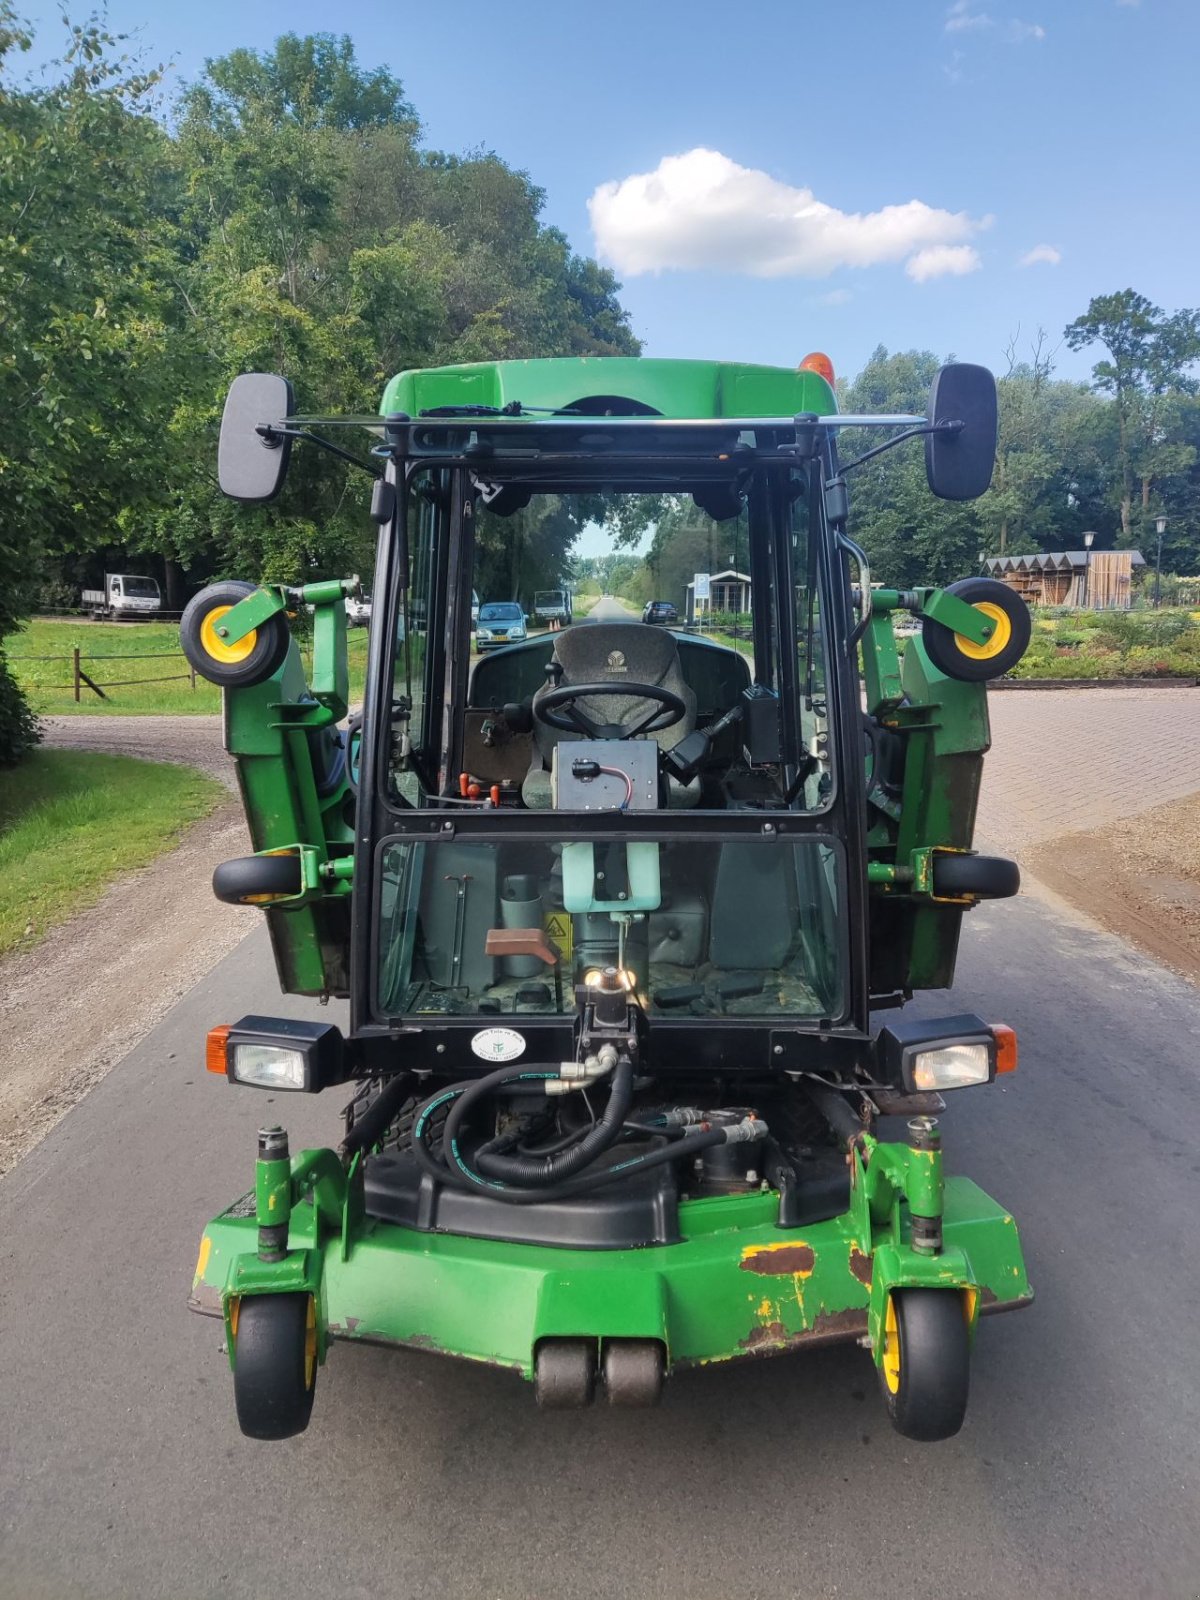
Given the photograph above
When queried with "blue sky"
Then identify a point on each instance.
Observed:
(772, 177)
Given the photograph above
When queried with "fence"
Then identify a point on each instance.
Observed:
(80, 679)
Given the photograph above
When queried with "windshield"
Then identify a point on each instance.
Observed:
(141, 588)
(701, 623)
(741, 929)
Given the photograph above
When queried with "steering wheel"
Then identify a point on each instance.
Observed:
(559, 709)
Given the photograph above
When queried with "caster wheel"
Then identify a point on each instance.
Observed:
(976, 663)
(251, 660)
(925, 1372)
(633, 1372)
(982, 877)
(275, 1364)
(564, 1374)
(256, 880)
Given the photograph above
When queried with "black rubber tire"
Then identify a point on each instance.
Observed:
(942, 644)
(270, 646)
(981, 877)
(273, 1398)
(633, 1372)
(935, 1365)
(249, 880)
(564, 1374)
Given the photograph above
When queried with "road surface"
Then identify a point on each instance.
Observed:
(1078, 1473)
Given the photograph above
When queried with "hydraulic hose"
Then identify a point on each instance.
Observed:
(461, 1176)
(543, 1171)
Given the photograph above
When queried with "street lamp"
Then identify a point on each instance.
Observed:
(1087, 565)
(1160, 527)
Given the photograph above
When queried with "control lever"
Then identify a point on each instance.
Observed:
(684, 760)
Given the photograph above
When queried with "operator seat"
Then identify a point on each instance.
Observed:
(613, 652)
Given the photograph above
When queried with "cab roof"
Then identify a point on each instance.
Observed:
(613, 386)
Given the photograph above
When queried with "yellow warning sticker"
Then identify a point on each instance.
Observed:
(560, 930)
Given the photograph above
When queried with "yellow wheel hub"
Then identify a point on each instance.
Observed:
(1001, 634)
(229, 655)
(891, 1349)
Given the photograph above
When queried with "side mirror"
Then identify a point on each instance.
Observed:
(959, 461)
(251, 468)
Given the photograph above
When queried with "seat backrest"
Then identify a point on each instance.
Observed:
(618, 652)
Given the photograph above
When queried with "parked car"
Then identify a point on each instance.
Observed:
(358, 610)
(659, 611)
(500, 622)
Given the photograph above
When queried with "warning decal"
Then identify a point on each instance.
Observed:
(559, 929)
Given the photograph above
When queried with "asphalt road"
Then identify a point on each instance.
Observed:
(123, 1474)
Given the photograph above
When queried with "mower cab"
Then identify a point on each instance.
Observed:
(612, 903)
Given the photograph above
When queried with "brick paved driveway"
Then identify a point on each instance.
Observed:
(1063, 761)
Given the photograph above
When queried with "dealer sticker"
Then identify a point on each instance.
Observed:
(498, 1044)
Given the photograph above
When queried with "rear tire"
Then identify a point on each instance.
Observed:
(251, 660)
(926, 1368)
(275, 1364)
(971, 663)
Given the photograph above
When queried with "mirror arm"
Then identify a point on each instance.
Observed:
(272, 436)
(909, 433)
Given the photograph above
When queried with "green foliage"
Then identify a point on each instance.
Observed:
(18, 724)
(288, 220)
(71, 822)
(1147, 371)
(1112, 644)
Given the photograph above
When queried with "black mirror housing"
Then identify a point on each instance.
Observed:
(959, 460)
(251, 468)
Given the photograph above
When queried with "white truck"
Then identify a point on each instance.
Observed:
(553, 606)
(125, 597)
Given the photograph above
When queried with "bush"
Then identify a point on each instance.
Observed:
(19, 730)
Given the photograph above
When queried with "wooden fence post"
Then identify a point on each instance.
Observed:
(75, 673)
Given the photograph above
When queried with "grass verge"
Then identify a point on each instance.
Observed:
(71, 821)
(125, 659)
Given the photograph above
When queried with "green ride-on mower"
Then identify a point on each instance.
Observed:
(612, 905)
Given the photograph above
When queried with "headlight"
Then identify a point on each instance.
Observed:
(482, 633)
(951, 1066)
(948, 1053)
(277, 1053)
(267, 1066)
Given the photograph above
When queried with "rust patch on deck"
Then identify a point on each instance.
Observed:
(780, 1260)
(860, 1266)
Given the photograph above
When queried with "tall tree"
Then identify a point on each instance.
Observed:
(1149, 361)
(83, 307)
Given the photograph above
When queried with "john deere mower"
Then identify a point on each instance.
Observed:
(613, 905)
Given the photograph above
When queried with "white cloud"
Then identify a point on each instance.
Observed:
(941, 261)
(1039, 253)
(835, 297)
(701, 210)
(961, 19)
(1017, 31)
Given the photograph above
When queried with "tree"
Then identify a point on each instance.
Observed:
(1148, 362)
(83, 309)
